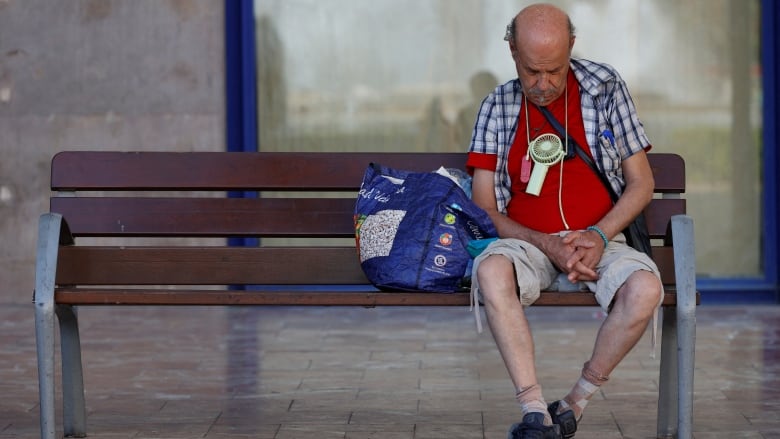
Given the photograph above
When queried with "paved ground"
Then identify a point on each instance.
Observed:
(391, 373)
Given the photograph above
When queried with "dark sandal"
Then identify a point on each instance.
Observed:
(533, 427)
(565, 420)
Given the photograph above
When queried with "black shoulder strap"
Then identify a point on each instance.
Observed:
(580, 152)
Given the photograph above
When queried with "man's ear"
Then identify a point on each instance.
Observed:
(513, 50)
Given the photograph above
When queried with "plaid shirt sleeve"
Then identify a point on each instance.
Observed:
(612, 126)
(494, 133)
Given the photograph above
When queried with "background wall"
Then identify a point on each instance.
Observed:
(149, 74)
(104, 75)
(409, 76)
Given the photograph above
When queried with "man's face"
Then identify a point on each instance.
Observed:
(542, 67)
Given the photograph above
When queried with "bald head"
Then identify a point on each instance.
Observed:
(541, 37)
(540, 20)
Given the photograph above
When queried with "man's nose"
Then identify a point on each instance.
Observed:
(543, 82)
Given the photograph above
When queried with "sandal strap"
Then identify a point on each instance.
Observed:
(565, 420)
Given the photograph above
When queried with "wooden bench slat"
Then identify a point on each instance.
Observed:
(659, 211)
(82, 265)
(106, 170)
(184, 217)
(285, 217)
(86, 265)
(103, 296)
(668, 172)
(664, 259)
(230, 171)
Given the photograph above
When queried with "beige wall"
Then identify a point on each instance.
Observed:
(99, 75)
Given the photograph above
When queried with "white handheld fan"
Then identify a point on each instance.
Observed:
(546, 150)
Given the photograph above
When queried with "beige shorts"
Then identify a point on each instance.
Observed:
(535, 272)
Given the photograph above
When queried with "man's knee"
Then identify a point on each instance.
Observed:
(495, 269)
(496, 277)
(640, 294)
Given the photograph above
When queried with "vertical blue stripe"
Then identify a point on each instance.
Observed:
(240, 88)
(240, 84)
(770, 19)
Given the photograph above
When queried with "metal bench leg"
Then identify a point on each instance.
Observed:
(49, 230)
(685, 273)
(667, 380)
(686, 335)
(44, 337)
(74, 410)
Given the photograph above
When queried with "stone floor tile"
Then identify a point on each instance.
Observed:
(309, 431)
(449, 431)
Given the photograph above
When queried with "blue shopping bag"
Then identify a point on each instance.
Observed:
(412, 230)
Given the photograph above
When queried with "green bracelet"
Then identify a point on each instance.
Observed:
(601, 233)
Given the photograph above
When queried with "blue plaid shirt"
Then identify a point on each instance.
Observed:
(606, 107)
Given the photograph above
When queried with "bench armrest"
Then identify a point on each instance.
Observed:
(53, 231)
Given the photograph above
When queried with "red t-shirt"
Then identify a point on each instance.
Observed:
(584, 198)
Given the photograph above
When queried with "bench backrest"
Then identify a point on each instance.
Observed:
(171, 194)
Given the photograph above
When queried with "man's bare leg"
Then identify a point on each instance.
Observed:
(631, 312)
(511, 331)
